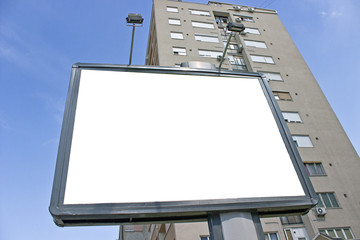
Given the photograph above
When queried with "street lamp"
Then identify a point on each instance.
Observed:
(134, 20)
(233, 27)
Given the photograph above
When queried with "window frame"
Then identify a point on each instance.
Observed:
(233, 46)
(244, 18)
(172, 34)
(237, 62)
(205, 24)
(334, 230)
(291, 220)
(268, 235)
(291, 120)
(316, 167)
(331, 199)
(257, 30)
(278, 97)
(253, 44)
(221, 19)
(202, 237)
(171, 9)
(174, 19)
(191, 11)
(207, 36)
(179, 53)
(266, 59)
(225, 36)
(210, 51)
(268, 76)
(296, 139)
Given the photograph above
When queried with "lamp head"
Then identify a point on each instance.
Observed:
(134, 18)
(235, 27)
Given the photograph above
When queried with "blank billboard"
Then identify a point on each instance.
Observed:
(154, 143)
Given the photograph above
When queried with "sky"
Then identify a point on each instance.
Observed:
(41, 39)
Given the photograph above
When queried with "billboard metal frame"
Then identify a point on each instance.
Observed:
(175, 211)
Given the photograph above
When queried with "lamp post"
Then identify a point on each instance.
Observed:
(233, 27)
(134, 20)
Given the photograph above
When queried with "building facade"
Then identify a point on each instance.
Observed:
(183, 31)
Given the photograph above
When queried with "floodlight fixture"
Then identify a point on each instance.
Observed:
(134, 20)
(235, 27)
(232, 27)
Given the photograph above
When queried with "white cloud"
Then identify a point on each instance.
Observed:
(331, 14)
(336, 14)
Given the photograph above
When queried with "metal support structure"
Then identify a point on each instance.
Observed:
(132, 20)
(235, 226)
(132, 42)
(121, 232)
(226, 47)
(215, 229)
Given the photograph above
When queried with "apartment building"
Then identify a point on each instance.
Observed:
(183, 31)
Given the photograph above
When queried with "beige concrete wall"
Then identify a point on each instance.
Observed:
(191, 231)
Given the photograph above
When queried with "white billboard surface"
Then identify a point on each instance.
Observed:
(149, 137)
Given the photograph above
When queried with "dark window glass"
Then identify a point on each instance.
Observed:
(291, 220)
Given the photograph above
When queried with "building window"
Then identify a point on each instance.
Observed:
(173, 21)
(343, 233)
(271, 236)
(244, 18)
(237, 62)
(176, 35)
(315, 169)
(255, 44)
(302, 141)
(252, 31)
(262, 59)
(296, 234)
(327, 200)
(221, 21)
(291, 117)
(206, 38)
(291, 220)
(285, 96)
(179, 51)
(172, 9)
(225, 36)
(199, 12)
(233, 48)
(272, 76)
(202, 25)
(205, 237)
(209, 53)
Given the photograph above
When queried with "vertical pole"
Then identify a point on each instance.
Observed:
(121, 233)
(226, 47)
(132, 43)
(235, 226)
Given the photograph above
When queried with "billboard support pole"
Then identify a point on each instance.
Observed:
(235, 226)
(132, 43)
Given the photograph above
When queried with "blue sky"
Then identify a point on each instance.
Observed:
(41, 39)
